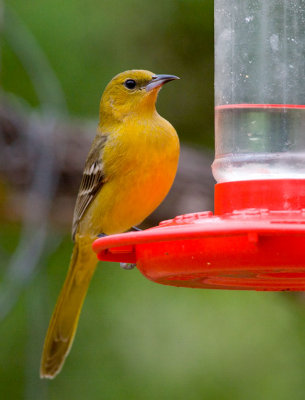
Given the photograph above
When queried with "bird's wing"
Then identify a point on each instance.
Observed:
(92, 180)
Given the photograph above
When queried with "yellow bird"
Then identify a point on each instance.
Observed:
(130, 168)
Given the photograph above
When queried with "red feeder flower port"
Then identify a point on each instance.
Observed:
(256, 239)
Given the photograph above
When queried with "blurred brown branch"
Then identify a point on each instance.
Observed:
(192, 190)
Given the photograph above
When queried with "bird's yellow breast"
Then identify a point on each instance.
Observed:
(140, 161)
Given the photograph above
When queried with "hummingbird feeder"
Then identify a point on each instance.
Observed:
(256, 237)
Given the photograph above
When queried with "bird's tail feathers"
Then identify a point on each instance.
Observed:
(65, 317)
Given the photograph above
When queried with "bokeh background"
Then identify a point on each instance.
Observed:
(136, 339)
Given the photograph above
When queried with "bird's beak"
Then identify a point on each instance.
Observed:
(159, 80)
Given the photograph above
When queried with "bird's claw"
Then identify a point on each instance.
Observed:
(136, 229)
(127, 266)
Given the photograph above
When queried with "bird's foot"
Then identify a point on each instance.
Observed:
(135, 228)
(127, 266)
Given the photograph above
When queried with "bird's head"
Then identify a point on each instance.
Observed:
(130, 92)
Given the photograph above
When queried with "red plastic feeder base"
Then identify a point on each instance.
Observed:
(260, 248)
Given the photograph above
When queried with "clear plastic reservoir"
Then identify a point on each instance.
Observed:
(259, 89)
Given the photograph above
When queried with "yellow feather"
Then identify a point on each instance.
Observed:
(64, 320)
(129, 170)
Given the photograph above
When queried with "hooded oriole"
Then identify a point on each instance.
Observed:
(129, 170)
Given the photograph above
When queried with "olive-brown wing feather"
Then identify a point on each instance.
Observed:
(92, 181)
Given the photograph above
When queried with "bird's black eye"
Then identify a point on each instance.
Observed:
(130, 84)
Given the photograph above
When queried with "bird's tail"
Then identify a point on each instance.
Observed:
(65, 316)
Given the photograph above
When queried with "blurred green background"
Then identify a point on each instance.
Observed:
(87, 43)
(136, 339)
